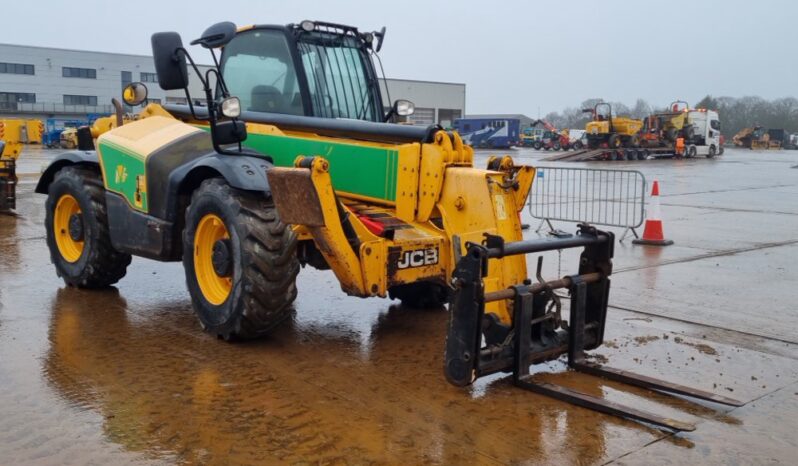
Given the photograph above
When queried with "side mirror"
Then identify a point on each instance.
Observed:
(217, 35)
(134, 94)
(229, 132)
(380, 39)
(404, 107)
(170, 60)
(2, 147)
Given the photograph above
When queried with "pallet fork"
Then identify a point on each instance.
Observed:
(538, 334)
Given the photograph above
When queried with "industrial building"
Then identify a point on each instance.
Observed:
(436, 102)
(45, 82)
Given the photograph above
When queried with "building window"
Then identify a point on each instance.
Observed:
(80, 100)
(9, 100)
(446, 117)
(177, 100)
(16, 68)
(152, 101)
(127, 78)
(149, 77)
(87, 73)
(422, 116)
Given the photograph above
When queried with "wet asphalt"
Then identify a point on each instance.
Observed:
(126, 376)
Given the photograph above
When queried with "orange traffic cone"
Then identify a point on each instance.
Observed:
(653, 234)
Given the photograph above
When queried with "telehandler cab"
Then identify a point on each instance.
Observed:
(291, 162)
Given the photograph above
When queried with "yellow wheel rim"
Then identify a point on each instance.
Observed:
(216, 289)
(69, 249)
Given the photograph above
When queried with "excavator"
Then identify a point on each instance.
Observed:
(290, 164)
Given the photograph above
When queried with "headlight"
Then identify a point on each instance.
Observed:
(307, 25)
(231, 107)
(404, 107)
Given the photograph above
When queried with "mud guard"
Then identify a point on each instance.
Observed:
(247, 172)
(67, 158)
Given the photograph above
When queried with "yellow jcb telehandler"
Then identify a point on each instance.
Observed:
(290, 163)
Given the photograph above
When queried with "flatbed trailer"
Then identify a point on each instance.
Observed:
(631, 153)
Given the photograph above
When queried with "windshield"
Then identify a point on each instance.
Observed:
(258, 69)
(339, 76)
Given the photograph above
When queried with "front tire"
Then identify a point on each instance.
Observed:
(240, 261)
(76, 221)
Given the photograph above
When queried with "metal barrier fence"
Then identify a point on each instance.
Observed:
(596, 196)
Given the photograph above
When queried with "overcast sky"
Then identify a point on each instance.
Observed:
(514, 56)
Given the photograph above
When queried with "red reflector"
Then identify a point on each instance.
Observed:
(373, 226)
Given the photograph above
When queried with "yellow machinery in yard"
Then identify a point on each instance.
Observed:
(756, 138)
(609, 131)
(302, 166)
(35, 131)
(10, 149)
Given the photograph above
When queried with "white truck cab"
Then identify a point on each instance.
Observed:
(706, 133)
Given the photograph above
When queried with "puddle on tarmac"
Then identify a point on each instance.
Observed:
(115, 377)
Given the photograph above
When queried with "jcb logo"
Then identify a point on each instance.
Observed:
(418, 258)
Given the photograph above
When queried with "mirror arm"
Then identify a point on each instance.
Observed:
(390, 114)
(219, 78)
(191, 107)
(203, 81)
(118, 111)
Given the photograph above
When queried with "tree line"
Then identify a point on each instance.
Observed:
(735, 113)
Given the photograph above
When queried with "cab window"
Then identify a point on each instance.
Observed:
(258, 69)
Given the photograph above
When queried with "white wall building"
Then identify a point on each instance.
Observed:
(44, 82)
(436, 102)
(41, 82)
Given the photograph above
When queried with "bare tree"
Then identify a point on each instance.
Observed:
(735, 113)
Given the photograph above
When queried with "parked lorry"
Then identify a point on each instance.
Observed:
(697, 129)
(489, 133)
(791, 142)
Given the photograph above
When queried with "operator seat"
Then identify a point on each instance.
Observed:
(267, 99)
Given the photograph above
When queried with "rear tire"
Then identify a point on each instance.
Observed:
(420, 295)
(76, 221)
(537, 145)
(614, 141)
(249, 286)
